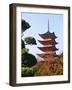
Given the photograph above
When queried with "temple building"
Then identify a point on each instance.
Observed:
(48, 49)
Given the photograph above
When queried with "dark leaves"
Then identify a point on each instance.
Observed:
(22, 44)
(25, 25)
(30, 40)
(28, 60)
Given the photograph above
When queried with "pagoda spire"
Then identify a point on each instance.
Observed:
(48, 25)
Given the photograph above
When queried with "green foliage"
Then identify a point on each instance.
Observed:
(27, 71)
(25, 25)
(22, 44)
(30, 40)
(25, 50)
(28, 60)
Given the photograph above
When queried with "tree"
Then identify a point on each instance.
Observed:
(22, 44)
(25, 25)
(30, 40)
(28, 60)
(28, 71)
(24, 50)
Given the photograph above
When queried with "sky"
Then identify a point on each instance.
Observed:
(39, 25)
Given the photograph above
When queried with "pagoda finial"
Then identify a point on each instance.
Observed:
(48, 25)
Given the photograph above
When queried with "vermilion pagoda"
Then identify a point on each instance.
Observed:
(49, 49)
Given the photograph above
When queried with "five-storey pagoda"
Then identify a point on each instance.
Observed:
(49, 49)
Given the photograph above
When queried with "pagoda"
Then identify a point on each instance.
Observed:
(49, 49)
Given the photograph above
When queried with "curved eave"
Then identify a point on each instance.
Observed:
(40, 55)
(44, 49)
(46, 36)
(44, 55)
(48, 33)
(46, 42)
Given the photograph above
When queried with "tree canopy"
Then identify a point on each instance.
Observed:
(22, 44)
(25, 25)
(30, 40)
(28, 60)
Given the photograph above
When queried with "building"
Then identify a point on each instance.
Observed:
(49, 49)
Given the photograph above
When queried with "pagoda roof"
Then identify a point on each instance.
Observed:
(45, 49)
(48, 35)
(41, 55)
(48, 42)
(44, 55)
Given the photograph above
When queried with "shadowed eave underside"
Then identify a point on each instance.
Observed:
(44, 49)
(48, 35)
(48, 42)
(47, 55)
